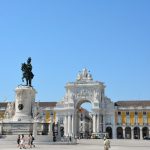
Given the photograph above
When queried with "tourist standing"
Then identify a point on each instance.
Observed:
(30, 141)
(106, 144)
(22, 142)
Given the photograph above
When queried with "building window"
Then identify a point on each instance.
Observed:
(119, 113)
(119, 119)
(145, 119)
(136, 113)
(127, 118)
(136, 117)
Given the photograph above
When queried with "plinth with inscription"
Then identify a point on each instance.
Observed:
(23, 119)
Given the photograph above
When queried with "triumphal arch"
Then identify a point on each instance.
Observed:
(85, 89)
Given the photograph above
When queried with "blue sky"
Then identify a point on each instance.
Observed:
(109, 38)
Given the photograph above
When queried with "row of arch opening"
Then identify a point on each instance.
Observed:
(128, 132)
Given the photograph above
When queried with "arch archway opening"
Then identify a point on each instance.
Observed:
(109, 132)
(128, 133)
(136, 133)
(84, 122)
(119, 133)
(145, 132)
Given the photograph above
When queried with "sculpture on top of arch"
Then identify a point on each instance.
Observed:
(84, 75)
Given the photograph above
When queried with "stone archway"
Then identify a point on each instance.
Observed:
(109, 131)
(128, 133)
(119, 133)
(84, 89)
(136, 133)
(145, 132)
(79, 115)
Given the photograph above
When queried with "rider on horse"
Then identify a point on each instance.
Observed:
(27, 72)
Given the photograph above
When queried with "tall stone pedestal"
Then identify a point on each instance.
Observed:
(25, 97)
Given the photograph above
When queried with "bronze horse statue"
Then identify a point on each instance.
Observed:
(27, 72)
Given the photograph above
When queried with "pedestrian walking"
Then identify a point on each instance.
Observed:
(70, 138)
(106, 144)
(32, 139)
(18, 141)
(22, 141)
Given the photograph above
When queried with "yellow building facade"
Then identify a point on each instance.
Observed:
(132, 119)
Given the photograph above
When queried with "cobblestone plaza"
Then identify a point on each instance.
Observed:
(85, 144)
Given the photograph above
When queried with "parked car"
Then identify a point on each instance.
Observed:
(146, 138)
(99, 135)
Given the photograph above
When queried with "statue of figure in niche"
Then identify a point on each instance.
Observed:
(9, 112)
(27, 72)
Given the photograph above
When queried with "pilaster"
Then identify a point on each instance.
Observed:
(97, 123)
(141, 135)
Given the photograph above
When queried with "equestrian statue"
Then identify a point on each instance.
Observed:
(27, 72)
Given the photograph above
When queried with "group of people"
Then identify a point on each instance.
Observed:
(25, 142)
(21, 141)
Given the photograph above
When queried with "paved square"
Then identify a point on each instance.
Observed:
(84, 145)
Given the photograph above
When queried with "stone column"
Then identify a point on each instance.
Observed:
(124, 132)
(75, 125)
(59, 134)
(65, 126)
(97, 123)
(101, 122)
(1, 124)
(83, 125)
(50, 126)
(69, 124)
(114, 127)
(94, 120)
(64, 122)
(114, 132)
(104, 123)
(132, 133)
(141, 135)
(72, 131)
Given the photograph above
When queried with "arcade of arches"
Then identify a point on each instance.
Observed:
(132, 132)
